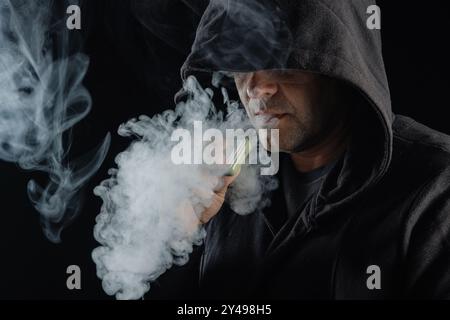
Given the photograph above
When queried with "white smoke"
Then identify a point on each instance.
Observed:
(149, 218)
(41, 98)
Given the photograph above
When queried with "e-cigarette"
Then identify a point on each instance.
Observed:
(239, 157)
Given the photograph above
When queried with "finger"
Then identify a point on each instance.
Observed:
(227, 181)
(230, 179)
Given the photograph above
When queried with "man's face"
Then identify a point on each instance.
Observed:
(303, 106)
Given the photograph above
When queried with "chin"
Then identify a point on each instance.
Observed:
(291, 144)
(283, 147)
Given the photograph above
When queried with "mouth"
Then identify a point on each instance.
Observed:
(269, 116)
(280, 116)
(268, 120)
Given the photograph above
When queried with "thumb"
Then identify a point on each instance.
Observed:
(227, 181)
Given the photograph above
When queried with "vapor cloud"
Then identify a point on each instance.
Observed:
(149, 218)
(41, 99)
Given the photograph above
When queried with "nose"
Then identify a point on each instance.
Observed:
(261, 86)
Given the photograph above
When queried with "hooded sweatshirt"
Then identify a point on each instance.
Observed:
(379, 225)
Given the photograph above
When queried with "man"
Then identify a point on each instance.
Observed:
(363, 208)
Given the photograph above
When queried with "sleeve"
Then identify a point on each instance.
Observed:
(428, 249)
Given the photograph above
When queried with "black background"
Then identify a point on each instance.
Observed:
(132, 72)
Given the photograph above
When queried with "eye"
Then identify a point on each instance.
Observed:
(282, 73)
(291, 76)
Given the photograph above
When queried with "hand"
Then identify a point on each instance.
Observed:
(218, 199)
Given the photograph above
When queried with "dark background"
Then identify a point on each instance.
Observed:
(134, 71)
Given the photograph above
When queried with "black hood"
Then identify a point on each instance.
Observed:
(328, 37)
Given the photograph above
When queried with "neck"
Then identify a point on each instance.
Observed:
(326, 151)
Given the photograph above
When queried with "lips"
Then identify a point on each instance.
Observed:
(268, 115)
(266, 120)
(279, 116)
(262, 109)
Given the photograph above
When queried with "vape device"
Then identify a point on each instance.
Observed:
(239, 157)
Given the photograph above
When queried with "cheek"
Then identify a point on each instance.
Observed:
(306, 101)
(299, 103)
(243, 96)
(240, 90)
(244, 99)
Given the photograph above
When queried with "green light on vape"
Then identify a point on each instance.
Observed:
(239, 157)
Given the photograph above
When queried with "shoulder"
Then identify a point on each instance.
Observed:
(419, 173)
(409, 130)
(420, 146)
